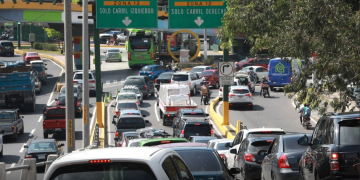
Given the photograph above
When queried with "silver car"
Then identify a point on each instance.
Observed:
(240, 96)
(11, 122)
(134, 89)
(113, 55)
(126, 96)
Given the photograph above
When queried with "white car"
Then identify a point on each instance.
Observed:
(199, 69)
(113, 54)
(240, 96)
(125, 105)
(37, 85)
(78, 80)
(221, 94)
(121, 38)
(38, 62)
(127, 96)
(219, 146)
(244, 133)
(120, 163)
(259, 72)
(134, 89)
(187, 78)
(77, 91)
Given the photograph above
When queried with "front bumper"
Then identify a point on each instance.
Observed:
(287, 173)
(233, 104)
(53, 131)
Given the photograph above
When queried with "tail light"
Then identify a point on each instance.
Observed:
(212, 132)
(222, 156)
(248, 95)
(44, 123)
(268, 78)
(129, 55)
(170, 81)
(12, 127)
(117, 134)
(152, 55)
(220, 89)
(75, 82)
(249, 84)
(137, 103)
(117, 113)
(189, 83)
(57, 103)
(211, 78)
(182, 132)
(28, 156)
(151, 73)
(78, 103)
(100, 161)
(43, 74)
(155, 80)
(335, 165)
(0, 48)
(334, 156)
(92, 81)
(249, 157)
(231, 95)
(283, 162)
(145, 87)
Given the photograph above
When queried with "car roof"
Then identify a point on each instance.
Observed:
(192, 110)
(42, 140)
(153, 65)
(239, 87)
(211, 70)
(127, 101)
(167, 73)
(124, 93)
(203, 137)
(137, 139)
(187, 144)
(220, 140)
(254, 67)
(296, 135)
(8, 110)
(32, 52)
(192, 148)
(345, 115)
(113, 49)
(264, 129)
(135, 77)
(163, 139)
(37, 62)
(130, 87)
(55, 107)
(182, 72)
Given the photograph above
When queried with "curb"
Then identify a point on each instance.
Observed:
(227, 130)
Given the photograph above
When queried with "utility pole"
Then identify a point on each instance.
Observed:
(85, 67)
(18, 35)
(69, 91)
(205, 44)
(226, 92)
(97, 69)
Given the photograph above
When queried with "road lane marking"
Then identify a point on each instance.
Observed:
(156, 114)
(32, 132)
(40, 118)
(52, 92)
(109, 122)
(12, 165)
(22, 148)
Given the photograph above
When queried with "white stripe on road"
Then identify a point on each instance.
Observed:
(32, 132)
(52, 92)
(109, 122)
(12, 165)
(156, 114)
(22, 148)
(40, 118)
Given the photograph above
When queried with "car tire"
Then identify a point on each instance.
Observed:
(120, 60)
(161, 114)
(194, 91)
(272, 89)
(153, 93)
(251, 107)
(15, 136)
(147, 95)
(2, 151)
(217, 85)
(12, 54)
(46, 135)
(22, 129)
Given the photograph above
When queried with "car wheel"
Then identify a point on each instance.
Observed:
(106, 60)
(251, 107)
(217, 85)
(22, 129)
(161, 114)
(46, 135)
(2, 151)
(220, 99)
(147, 95)
(120, 60)
(15, 136)
(12, 54)
(194, 90)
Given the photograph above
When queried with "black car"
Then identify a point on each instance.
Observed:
(282, 159)
(205, 163)
(6, 47)
(41, 71)
(61, 101)
(192, 127)
(250, 156)
(41, 148)
(164, 77)
(334, 149)
(145, 85)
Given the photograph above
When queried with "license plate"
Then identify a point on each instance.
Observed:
(241, 96)
(41, 157)
(141, 57)
(14, 99)
(57, 129)
(274, 82)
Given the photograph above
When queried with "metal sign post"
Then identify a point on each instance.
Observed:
(85, 67)
(226, 75)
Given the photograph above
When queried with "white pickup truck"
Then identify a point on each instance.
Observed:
(187, 78)
(173, 97)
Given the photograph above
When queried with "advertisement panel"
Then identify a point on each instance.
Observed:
(173, 43)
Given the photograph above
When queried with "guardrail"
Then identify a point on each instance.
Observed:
(28, 168)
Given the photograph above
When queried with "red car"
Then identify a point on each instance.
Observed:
(212, 77)
(29, 56)
(250, 62)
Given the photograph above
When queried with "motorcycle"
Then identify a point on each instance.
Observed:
(306, 122)
(265, 89)
(205, 98)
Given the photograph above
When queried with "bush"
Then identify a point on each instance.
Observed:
(45, 46)
(197, 62)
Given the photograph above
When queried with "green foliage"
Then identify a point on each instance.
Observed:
(197, 62)
(298, 29)
(45, 46)
(54, 33)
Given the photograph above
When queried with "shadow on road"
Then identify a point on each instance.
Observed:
(9, 159)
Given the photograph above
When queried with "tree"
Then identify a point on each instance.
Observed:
(289, 28)
(58, 36)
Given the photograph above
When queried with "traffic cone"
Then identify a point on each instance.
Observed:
(106, 99)
(110, 96)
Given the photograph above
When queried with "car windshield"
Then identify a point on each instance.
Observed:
(245, 69)
(42, 146)
(140, 43)
(200, 160)
(113, 51)
(126, 96)
(291, 144)
(62, 100)
(131, 121)
(207, 73)
(7, 44)
(201, 129)
(180, 77)
(79, 76)
(221, 146)
(58, 113)
(256, 146)
(6, 117)
(33, 54)
(202, 140)
(146, 68)
(134, 81)
(134, 144)
(104, 171)
(62, 91)
(348, 130)
(240, 91)
(154, 143)
(37, 68)
(165, 76)
(127, 106)
(136, 91)
(197, 69)
(264, 133)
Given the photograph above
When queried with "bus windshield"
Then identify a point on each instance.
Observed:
(140, 43)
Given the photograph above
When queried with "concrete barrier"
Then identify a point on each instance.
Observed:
(227, 130)
(102, 127)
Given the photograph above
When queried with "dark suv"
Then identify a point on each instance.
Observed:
(41, 71)
(184, 114)
(334, 149)
(6, 47)
(192, 127)
(145, 85)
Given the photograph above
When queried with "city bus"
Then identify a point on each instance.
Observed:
(141, 48)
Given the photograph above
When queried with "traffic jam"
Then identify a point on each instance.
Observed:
(191, 150)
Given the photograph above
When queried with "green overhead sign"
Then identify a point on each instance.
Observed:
(126, 14)
(199, 14)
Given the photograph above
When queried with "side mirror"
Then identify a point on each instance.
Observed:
(173, 126)
(263, 152)
(228, 144)
(207, 114)
(303, 141)
(26, 146)
(233, 171)
(116, 139)
(233, 151)
(113, 122)
(144, 115)
(62, 144)
(146, 121)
